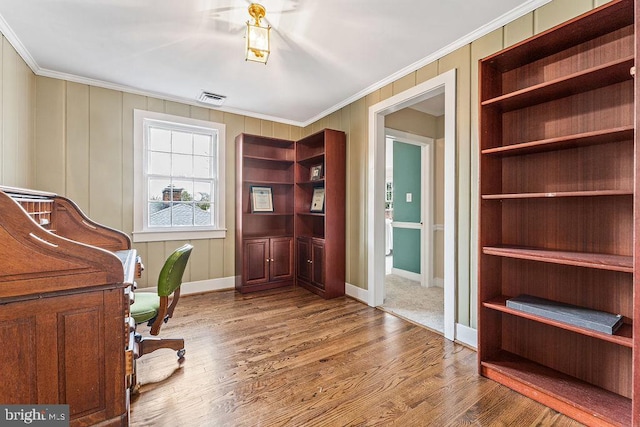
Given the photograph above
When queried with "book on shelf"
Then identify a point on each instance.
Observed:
(574, 315)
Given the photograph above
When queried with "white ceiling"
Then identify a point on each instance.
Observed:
(325, 53)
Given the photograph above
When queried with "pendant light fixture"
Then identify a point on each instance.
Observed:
(258, 41)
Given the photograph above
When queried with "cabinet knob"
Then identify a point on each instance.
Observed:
(271, 260)
(267, 260)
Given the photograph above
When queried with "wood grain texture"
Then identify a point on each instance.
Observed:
(362, 367)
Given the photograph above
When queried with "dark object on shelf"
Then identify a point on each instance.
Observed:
(578, 316)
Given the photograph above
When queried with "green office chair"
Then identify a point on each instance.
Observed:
(156, 309)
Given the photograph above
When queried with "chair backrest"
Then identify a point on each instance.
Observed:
(169, 283)
(171, 274)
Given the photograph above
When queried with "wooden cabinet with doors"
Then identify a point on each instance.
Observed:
(311, 265)
(267, 261)
(558, 214)
(264, 234)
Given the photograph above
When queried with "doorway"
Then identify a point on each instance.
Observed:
(413, 287)
(444, 83)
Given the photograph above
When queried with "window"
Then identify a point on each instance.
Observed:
(178, 178)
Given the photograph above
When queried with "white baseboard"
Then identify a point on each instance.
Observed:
(467, 335)
(221, 284)
(355, 292)
(407, 274)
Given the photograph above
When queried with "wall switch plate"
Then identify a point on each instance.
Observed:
(409, 197)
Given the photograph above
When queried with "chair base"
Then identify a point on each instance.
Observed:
(148, 345)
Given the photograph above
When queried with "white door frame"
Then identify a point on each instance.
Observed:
(426, 206)
(444, 83)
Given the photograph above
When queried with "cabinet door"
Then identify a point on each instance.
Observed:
(256, 264)
(52, 358)
(281, 261)
(317, 263)
(303, 252)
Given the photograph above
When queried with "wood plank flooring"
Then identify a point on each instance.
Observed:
(289, 358)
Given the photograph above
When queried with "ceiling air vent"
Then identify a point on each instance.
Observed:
(211, 98)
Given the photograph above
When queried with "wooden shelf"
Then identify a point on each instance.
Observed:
(319, 214)
(588, 26)
(578, 399)
(317, 158)
(583, 81)
(259, 182)
(623, 335)
(269, 213)
(580, 259)
(570, 141)
(268, 159)
(318, 182)
(597, 193)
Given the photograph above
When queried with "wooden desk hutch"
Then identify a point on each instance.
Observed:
(559, 214)
(65, 288)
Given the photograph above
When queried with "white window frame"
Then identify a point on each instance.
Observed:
(141, 231)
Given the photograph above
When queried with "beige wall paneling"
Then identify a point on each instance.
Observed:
(427, 72)
(557, 12)
(9, 113)
(156, 105)
(438, 235)
(223, 251)
(154, 261)
(105, 156)
(356, 194)
(282, 131)
(252, 126)
(50, 135)
(597, 3)
(177, 109)
(26, 121)
(77, 149)
(130, 102)
(404, 83)
(461, 61)
(266, 128)
(518, 30)
(480, 48)
(199, 113)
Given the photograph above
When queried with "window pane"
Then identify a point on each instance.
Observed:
(182, 214)
(159, 163)
(201, 167)
(181, 142)
(185, 188)
(182, 165)
(202, 145)
(202, 214)
(159, 139)
(159, 189)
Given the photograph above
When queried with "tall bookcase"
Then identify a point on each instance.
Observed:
(267, 243)
(320, 240)
(557, 184)
(264, 235)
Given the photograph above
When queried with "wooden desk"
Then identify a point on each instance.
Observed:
(66, 283)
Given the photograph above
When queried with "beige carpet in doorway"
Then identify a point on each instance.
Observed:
(406, 298)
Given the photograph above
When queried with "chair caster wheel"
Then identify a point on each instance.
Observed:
(181, 353)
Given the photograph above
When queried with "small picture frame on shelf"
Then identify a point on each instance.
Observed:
(315, 172)
(317, 200)
(261, 199)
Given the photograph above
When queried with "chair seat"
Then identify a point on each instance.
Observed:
(145, 307)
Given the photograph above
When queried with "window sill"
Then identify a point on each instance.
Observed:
(169, 235)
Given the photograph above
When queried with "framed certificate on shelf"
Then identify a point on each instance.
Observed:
(261, 199)
(317, 200)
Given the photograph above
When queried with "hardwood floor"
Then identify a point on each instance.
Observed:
(290, 358)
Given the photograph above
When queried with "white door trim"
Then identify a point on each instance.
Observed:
(444, 83)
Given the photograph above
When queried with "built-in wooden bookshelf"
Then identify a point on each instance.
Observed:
(557, 184)
(320, 236)
(264, 240)
(267, 243)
